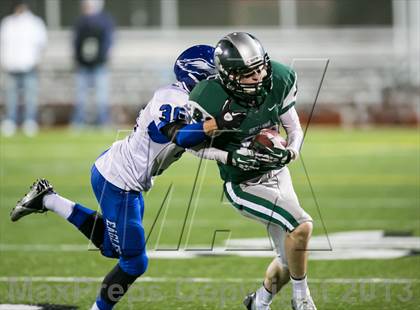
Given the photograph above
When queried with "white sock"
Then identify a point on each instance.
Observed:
(60, 205)
(94, 307)
(264, 298)
(300, 288)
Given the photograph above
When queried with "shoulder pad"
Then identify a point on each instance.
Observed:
(283, 73)
(210, 96)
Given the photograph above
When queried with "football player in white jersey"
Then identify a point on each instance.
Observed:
(162, 132)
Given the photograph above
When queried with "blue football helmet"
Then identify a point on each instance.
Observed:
(194, 65)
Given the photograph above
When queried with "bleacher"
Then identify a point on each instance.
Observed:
(362, 63)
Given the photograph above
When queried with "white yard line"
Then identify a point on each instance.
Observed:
(262, 249)
(373, 244)
(14, 279)
(19, 307)
(4, 247)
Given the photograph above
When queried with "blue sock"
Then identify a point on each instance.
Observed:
(103, 305)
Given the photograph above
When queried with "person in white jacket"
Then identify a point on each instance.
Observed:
(23, 37)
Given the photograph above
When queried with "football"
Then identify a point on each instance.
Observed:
(269, 138)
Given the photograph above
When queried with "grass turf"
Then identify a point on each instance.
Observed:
(362, 180)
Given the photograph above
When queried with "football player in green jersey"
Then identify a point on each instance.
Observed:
(265, 90)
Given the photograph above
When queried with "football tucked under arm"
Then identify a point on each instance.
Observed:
(269, 138)
(271, 149)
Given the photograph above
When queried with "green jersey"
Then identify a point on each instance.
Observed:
(211, 96)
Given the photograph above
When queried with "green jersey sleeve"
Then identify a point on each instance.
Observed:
(284, 81)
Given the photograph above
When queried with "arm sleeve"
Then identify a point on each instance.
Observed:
(210, 154)
(190, 135)
(290, 122)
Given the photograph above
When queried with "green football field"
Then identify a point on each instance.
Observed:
(362, 180)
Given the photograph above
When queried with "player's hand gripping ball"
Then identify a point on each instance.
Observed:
(270, 148)
(268, 138)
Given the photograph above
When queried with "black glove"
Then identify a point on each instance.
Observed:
(244, 159)
(228, 119)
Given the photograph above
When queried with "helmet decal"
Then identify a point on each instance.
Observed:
(252, 60)
(198, 66)
(194, 65)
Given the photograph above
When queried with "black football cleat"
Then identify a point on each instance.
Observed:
(32, 201)
(250, 301)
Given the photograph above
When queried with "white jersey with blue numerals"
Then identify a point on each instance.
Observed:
(131, 163)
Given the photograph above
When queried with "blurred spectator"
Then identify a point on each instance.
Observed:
(23, 37)
(93, 34)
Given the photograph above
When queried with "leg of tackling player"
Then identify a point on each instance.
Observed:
(118, 232)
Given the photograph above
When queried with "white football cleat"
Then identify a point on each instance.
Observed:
(305, 303)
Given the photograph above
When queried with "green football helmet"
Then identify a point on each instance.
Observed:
(237, 55)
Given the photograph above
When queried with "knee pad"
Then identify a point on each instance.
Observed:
(134, 265)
